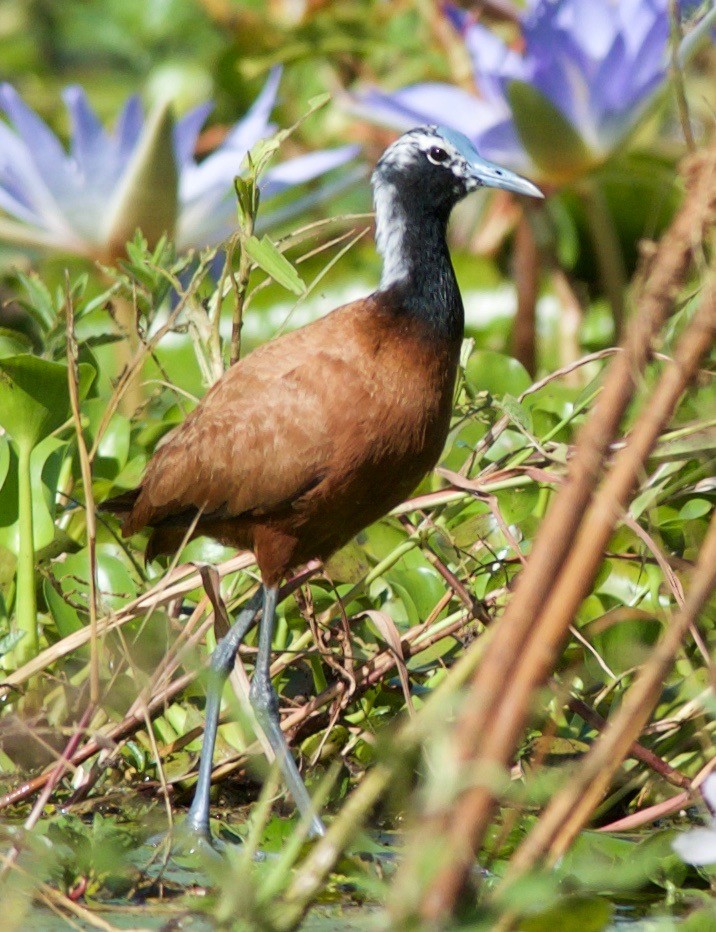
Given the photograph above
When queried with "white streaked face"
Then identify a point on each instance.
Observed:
(426, 143)
(464, 169)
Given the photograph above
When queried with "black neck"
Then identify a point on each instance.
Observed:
(416, 262)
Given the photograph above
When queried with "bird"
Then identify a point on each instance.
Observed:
(319, 432)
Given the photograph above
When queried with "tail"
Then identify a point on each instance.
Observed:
(122, 504)
(162, 540)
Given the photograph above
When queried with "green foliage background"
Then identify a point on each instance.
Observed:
(448, 565)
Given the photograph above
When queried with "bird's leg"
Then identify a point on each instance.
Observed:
(264, 702)
(222, 663)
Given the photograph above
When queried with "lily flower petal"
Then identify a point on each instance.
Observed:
(594, 66)
(186, 132)
(699, 845)
(142, 175)
(304, 168)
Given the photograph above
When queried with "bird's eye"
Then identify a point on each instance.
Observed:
(436, 155)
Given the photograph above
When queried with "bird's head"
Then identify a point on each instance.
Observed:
(435, 167)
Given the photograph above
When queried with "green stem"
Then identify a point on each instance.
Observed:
(25, 599)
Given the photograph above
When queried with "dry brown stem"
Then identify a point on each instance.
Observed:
(527, 269)
(551, 586)
(570, 809)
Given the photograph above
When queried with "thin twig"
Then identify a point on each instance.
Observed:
(86, 470)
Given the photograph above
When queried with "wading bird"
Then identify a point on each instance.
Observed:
(316, 434)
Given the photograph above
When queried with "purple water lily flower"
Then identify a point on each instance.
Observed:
(586, 73)
(90, 200)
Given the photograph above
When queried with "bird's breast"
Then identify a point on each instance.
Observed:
(389, 419)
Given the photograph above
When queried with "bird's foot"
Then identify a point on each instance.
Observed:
(317, 829)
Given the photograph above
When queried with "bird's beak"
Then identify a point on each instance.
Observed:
(488, 175)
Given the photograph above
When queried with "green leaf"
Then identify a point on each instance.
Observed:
(34, 398)
(320, 100)
(267, 256)
(38, 300)
(115, 584)
(516, 412)
(572, 914)
(247, 196)
(44, 475)
(552, 142)
(67, 621)
(10, 641)
(488, 371)
(695, 508)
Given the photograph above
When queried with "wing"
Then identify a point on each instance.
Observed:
(263, 434)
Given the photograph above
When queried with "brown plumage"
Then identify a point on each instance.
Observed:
(306, 440)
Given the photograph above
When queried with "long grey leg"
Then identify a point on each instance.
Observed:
(265, 704)
(222, 663)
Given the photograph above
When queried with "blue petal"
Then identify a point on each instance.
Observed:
(651, 59)
(42, 144)
(432, 102)
(13, 201)
(460, 19)
(186, 132)
(493, 62)
(98, 162)
(215, 174)
(594, 27)
(26, 185)
(611, 85)
(565, 86)
(255, 125)
(129, 126)
(501, 143)
(209, 217)
(305, 168)
(89, 140)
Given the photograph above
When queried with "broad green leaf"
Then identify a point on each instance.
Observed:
(550, 139)
(571, 914)
(488, 371)
(34, 398)
(147, 197)
(517, 504)
(66, 619)
(420, 589)
(13, 342)
(44, 474)
(462, 443)
(115, 583)
(10, 640)
(622, 637)
(695, 508)
(266, 254)
(113, 448)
